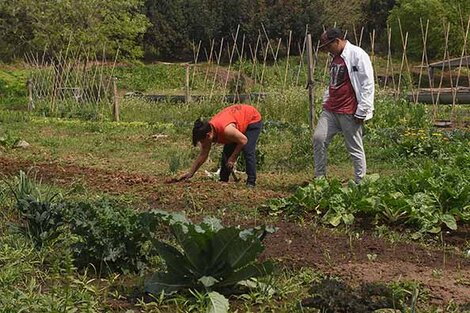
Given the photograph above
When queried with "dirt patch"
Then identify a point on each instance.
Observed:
(444, 272)
(154, 189)
(369, 259)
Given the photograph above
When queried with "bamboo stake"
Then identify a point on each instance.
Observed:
(356, 42)
(327, 64)
(311, 86)
(425, 63)
(196, 59)
(462, 23)
(112, 69)
(389, 60)
(360, 37)
(269, 46)
(255, 57)
(287, 60)
(103, 64)
(301, 55)
(452, 87)
(464, 48)
(372, 53)
(264, 64)
(237, 88)
(217, 67)
(230, 61)
(404, 65)
(276, 55)
(209, 62)
(30, 95)
(115, 101)
(187, 96)
(446, 35)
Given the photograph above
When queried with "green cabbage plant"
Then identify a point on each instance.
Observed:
(207, 256)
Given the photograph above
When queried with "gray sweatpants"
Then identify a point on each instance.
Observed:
(329, 125)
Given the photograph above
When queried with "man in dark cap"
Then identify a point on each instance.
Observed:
(347, 102)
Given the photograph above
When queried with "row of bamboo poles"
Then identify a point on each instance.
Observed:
(87, 78)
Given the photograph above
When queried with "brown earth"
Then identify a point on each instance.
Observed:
(444, 272)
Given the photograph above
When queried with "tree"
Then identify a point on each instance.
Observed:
(441, 14)
(16, 28)
(167, 36)
(54, 26)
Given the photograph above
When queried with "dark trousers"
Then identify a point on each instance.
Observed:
(249, 152)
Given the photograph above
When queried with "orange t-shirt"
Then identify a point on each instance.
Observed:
(241, 115)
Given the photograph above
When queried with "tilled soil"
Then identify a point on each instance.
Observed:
(444, 272)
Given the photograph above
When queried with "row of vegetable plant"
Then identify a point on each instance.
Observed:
(427, 197)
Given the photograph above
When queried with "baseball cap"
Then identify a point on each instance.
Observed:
(330, 35)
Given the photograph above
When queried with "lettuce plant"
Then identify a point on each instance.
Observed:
(207, 256)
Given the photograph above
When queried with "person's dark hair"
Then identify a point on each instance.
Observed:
(334, 33)
(200, 130)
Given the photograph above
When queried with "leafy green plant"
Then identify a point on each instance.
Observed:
(109, 236)
(35, 207)
(113, 237)
(207, 256)
(430, 197)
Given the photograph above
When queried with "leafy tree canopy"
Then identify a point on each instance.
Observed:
(53, 26)
(413, 15)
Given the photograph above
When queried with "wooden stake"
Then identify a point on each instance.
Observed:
(425, 63)
(389, 60)
(372, 53)
(115, 101)
(311, 84)
(209, 62)
(404, 63)
(240, 67)
(196, 59)
(446, 35)
(287, 60)
(30, 94)
(230, 60)
(187, 95)
(218, 57)
(301, 55)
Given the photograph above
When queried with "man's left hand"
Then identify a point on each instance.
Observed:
(358, 120)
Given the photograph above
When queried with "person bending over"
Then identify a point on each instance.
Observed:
(237, 127)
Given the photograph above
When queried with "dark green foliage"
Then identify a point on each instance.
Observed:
(43, 220)
(167, 35)
(111, 237)
(411, 13)
(70, 25)
(334, 296)
(207, 256)
(176, 25)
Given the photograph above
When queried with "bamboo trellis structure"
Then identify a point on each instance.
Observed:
(237, 65)
(79, 78)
